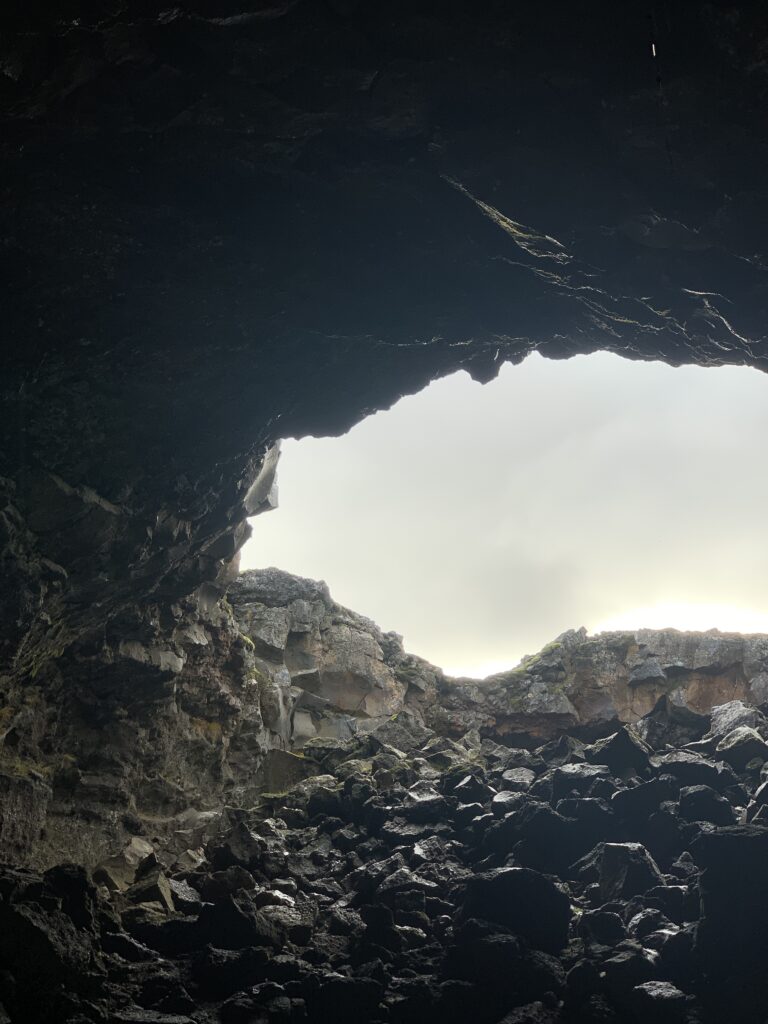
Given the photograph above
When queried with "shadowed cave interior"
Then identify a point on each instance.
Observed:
(224, 797)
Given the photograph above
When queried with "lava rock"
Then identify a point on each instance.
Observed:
(625, 753)
(235, 923)
(525, 901)
(658, 1002)
(701, 803)
(742, 745)
(670, 724)
(626, 870)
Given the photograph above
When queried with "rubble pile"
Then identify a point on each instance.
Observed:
(415, 878)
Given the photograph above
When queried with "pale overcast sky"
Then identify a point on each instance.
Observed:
(480, 521)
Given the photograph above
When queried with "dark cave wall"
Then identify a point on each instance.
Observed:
(225, 224)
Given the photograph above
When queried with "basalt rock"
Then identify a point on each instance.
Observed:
(122, 744)
(390, 902)
(224, 224)
(231, 224)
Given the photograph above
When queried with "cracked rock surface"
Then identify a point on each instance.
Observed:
(172, 715)
(228, 223)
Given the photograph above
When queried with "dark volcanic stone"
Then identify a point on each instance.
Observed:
(627, 969)
(574, 778)
(625, 870)
(602, 926)
(506, 802)
(658, 1002)
(502, 966)
(547, 841)
(625, 753)
(638, 802)
(731, 938)
(700, 803)
(526, 902)
(234, 923)
(689, 768)
(218, 973)
(671, 724)
(742, 745)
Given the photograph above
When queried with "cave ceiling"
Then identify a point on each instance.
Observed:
(223, 223)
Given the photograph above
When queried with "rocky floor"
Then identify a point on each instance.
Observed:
(413, 878)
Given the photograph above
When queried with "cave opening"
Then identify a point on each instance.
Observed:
(226, 798)
(481, 521)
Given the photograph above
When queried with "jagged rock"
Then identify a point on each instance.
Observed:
(280, 900)
(637, 803)
(154, 888)
(670, 724)
(518, 779)
(625, 870)
(120, 871)
(240, 846)
(727, 717)
(138, 1015)
(235, 923)
(658, 1002)
(700, 803)
(602, 926)
(689, 768)
(624, 753)
(218, 973)
(625, 971)
(526, 902)
(505, 802)
(742, 745)
(570, 778)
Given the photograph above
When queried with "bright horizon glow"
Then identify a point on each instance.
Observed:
(688, 618)
(482, 521)
(681, 615)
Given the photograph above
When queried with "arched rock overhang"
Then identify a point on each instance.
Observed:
(230, 222)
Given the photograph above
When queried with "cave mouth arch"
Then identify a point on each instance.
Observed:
(483, 521)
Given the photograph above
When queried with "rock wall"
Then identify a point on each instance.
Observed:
(167, 719)
(229, 223)
(345, 676)
(163, 720)
(590, 683)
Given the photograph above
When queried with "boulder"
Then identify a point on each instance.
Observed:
(525, 901)
(119, 871)
(727, 717)
(153, 888)
(637, 803)
(625, 753)
(626, 870)
(235, 923)
(742, 745)
(658, 1002)
(701, 803)
(671, 724)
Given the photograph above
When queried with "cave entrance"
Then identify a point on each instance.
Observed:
(482, 521)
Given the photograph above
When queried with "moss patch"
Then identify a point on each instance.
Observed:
(24, 768)
(209, 730)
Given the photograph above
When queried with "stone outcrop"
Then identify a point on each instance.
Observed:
(345, 675)
(340, 674)
(593, 682)
(168, 718)
(228, 223)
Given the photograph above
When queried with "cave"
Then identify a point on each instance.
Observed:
(226, 223)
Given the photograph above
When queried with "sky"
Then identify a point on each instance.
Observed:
(481, 521)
